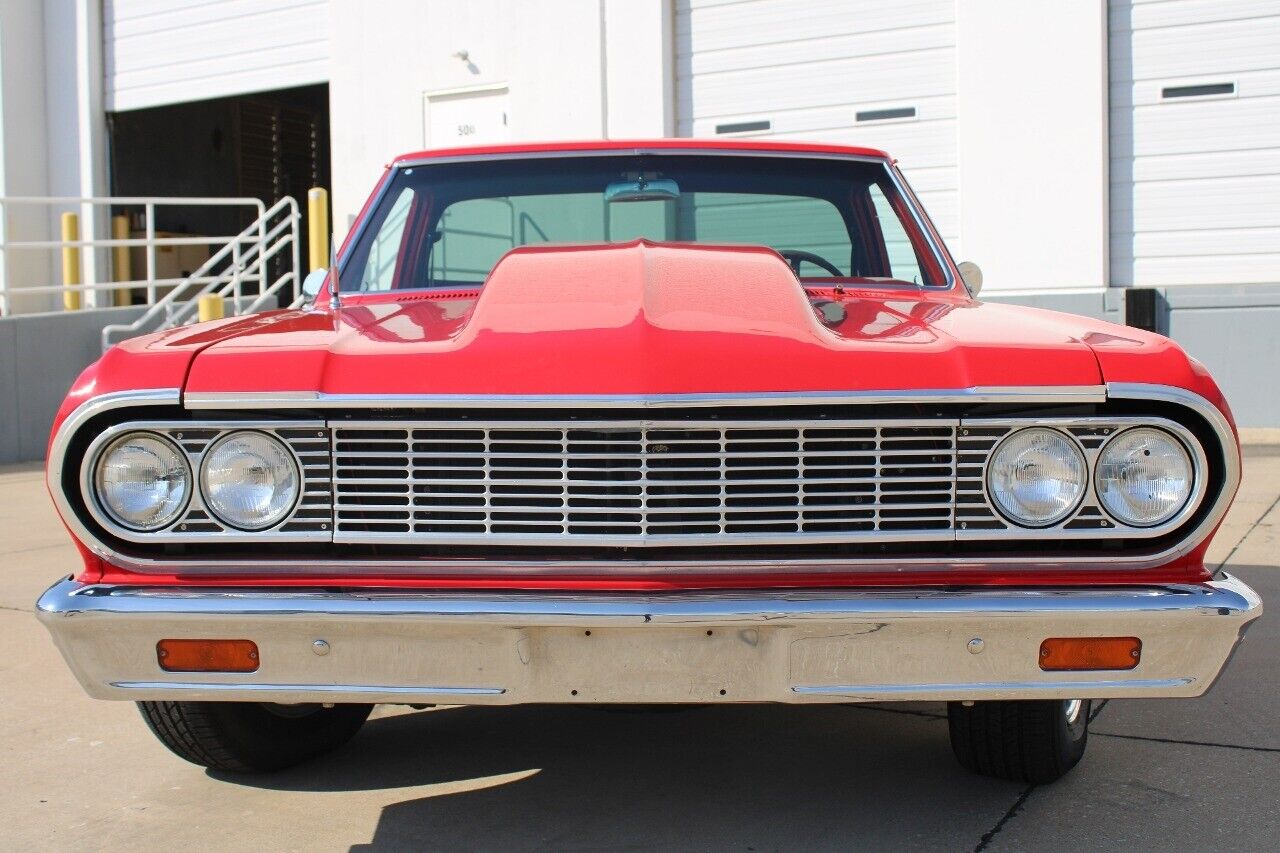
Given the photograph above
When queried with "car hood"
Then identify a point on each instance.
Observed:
(646, 319)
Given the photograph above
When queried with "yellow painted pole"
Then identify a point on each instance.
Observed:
(120, 263)
(210, 306)
(70, 261)
(317, 228)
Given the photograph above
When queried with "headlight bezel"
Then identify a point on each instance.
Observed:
(283, 514)
(1194, 476)
(1063, 515)
(94, 488)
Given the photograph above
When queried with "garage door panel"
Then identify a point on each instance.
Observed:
(1194, 180)
(1254, 83)
(1215, 164)
(1203, 269)
(1207, 241)
(1196, 50)
(779, 56)
(875, 78)
(839, 123)
(1212, 203)
(157, 54)
(1149, 14)
(1195, 127)
(735, 24)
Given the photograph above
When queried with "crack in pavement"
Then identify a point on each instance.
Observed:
(1246, 535)
(1190, 742)
(1008, 816)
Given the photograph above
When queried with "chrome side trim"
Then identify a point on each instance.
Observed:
(348, 689)
(1049, 394)
(1025, 689)
(759, 645)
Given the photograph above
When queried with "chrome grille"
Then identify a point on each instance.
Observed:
(644, 483)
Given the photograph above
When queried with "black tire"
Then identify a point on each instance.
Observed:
(251, 737)
(1035, 741)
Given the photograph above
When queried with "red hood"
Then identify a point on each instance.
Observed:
(644, 319)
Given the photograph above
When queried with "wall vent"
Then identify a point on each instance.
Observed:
(1197, 91)
(744, 126)
(885, 114)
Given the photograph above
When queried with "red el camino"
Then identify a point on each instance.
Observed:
(671, 421)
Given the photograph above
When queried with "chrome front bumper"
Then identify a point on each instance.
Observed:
(761, 646)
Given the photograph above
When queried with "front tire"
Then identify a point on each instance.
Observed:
(251, 737)
(1032, 741)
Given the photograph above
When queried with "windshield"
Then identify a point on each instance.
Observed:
(446, 225)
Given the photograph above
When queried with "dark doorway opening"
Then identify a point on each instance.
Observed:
(264, 145)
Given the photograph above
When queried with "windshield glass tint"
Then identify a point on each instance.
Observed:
(447, 225)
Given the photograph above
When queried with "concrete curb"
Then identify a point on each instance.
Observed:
(1259, 435)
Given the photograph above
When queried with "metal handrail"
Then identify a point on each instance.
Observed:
(266, 240)
(87, 207)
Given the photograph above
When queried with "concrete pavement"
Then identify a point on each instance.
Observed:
(1161, 774)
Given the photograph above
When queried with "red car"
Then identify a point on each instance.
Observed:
(643, 422)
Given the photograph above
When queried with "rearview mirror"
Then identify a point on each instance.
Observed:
(313, 282)
(642, 189)
(971, 274)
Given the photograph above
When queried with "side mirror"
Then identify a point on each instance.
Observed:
(971, 274)
(313, 282)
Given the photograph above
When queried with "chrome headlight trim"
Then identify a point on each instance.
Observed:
(1193, 474)
(95, 493)
(1069, 509)
(277, 516)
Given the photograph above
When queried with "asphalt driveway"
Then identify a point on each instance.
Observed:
(1161, 774)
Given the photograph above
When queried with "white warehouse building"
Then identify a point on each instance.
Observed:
(1119, 158)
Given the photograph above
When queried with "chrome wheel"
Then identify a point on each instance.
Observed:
(1071, 708)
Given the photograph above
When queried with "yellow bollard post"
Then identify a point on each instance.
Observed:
(210, 307)
(317, 228)
(120, 263)
(70, 261)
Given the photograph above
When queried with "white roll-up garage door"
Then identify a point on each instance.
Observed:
(1195, 142)
(159, 52)
(880, 73)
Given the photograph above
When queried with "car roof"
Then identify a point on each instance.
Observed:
(751, 145)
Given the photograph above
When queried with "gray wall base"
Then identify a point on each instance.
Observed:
(40, 356)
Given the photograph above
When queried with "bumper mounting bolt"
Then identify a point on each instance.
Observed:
(320, 647)
(975, 646)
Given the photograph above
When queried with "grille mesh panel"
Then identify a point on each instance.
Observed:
(623, 483)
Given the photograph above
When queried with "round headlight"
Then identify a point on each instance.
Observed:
(142, 481)
(249, 480)
(1036, 477)
(1144, 477)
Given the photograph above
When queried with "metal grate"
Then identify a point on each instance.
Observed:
(644, 483)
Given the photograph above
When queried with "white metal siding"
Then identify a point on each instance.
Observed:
(1195, 182)
(163, 52)
(808, 68)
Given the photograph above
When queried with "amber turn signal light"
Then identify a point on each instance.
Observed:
(207, 655)
(1086, 653)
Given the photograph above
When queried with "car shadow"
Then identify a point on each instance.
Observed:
(762, 776)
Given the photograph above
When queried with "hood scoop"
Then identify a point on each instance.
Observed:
(673, 288)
